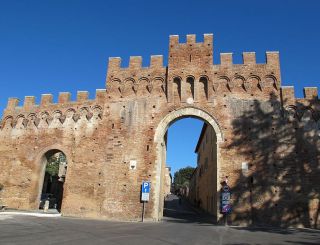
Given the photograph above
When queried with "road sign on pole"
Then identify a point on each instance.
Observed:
(225, 199)
(145, 191)
(145, 194)
(225, 202)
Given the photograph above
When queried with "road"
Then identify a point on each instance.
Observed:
(182, 225)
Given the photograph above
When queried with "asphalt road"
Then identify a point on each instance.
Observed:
(181, 226)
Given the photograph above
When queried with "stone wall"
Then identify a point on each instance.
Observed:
(255, 120)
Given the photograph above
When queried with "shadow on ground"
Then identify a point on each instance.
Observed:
(183, 212)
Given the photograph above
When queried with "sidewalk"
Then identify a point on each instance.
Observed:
(35, 213)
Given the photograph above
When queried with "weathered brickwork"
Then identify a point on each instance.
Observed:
(255, 121)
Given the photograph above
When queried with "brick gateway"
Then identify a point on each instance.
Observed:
(255, 121)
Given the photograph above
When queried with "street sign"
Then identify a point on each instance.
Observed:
(145, 194)
(226, 188)
(226, 208)
(226, 196)
(225, 199)
(145, 191)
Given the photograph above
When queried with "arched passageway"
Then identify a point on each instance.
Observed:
(52, 179)
(209, 202)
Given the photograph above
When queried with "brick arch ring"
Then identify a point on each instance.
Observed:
(158, 140)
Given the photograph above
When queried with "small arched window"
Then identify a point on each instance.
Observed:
(203, 89)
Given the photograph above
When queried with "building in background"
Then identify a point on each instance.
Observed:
(203, 184)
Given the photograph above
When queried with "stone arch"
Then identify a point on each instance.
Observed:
(271, 81)
(238, 83)
(144, 86)
(130, 86)
(41, 162)
(159, 86)
(44, 120)
(158, 140)
(70, 113)
(221, 84)
(116, 86)
(291, 113)
(97, 112)
(85, 114)
(57, 119)
(33, 121)
(7, 122)
(20, 122)
(253, 82)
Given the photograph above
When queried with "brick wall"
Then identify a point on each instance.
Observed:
(255, 120)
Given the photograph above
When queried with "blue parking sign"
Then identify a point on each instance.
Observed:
(145, 191)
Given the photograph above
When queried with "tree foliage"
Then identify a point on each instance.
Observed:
(182, 177)
(52, 167)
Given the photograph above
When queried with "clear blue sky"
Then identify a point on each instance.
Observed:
(58, 45)
(183, 137)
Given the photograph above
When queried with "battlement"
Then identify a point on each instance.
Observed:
(249, 58)
(47, 100)
(122, 81)
(135, 63)
(191, 52)
(288, 96)
(191, 39)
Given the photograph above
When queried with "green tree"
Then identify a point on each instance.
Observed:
(182, 177)
(52, 167)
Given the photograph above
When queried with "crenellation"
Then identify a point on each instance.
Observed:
(156, 61)
(272, 58)
(310, 93)
(82, 96)
(249, 58)
(46, 99)
(241, 102)
(12, 103)
(287, 95)
(208, 39)
(114, 63)
(29, 102)
(101, 95)
(64, 97)
(135, 62)
(190, 54)
(310, 97)
(64, 100)
(226, 59)
(191, 38)
(173, 40)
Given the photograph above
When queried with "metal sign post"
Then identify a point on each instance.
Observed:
(143, 202)
(145, 194)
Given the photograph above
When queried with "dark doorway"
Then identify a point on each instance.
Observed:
(54, 178)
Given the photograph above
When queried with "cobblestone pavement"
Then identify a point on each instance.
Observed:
(182, 225)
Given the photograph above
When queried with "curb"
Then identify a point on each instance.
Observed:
(31, 214)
